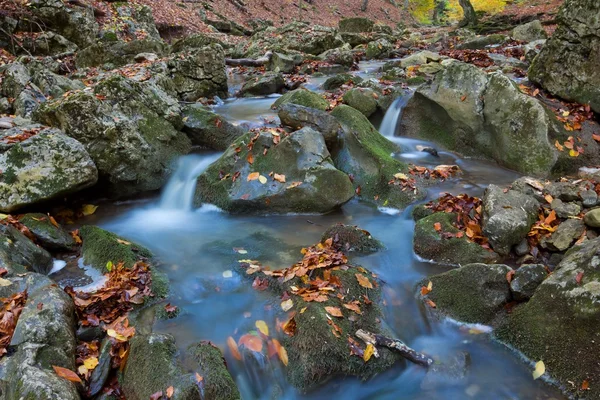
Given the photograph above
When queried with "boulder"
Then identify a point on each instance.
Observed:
(352, 239)
(592, 218)
(46, 165)
(137, 21)
(380, 48)
(361, 99)
(560, 324)
(468, 111)
(529, 32)
(481, 42)
(474, 293)
(48, 44)
(302, 97)
(356, 25)
(128, 129)
(15, 77)
(218, 383)
(355, 39)
(207, 129)
(507, 217)
(339, 80)
(47, 234)
(420, 58)
(116, 54)
(567, 66)
(526, 280)
(365, 154)
(262, 85)
(18, 254)
(283, 63)
(566, 233)
(340, 56)
(431, 244)
(298, 117)
(565, 210)
(195, 41)
(306, 180)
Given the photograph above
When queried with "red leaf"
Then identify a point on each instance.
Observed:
(67, 374)
(579, 277)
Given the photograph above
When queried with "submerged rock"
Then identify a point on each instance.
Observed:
(474, 293)
(207, 129)
(266, 83)
(43, 166)
(526, 280)
(307, 181)
(560, 324)
(352, 239)
(431, 245)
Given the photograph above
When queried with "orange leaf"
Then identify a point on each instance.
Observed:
(279, 178)
(558, 146)
(67, 374)
(170, 391)
(585, 385)
(250, 158)
(509, 275)
(251, 342)
(550, 218)
(363, 281)
(437, 226)
(253, 176)
(430, 303)
(335, 311)
(199, 378)
(463, 98)
(233, 347)
(596, 137)
(354, 307)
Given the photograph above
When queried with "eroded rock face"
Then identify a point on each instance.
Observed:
(207, 129)
(18, 254)
(311, 183)
(567, 66)
(560, 324)
(44, 166)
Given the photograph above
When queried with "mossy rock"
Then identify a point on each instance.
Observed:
(431, 245)
(302, 97)
(218, 383)
(338, 80)
(356, 25)
(18, 254)
(361, 99)
(207, 129)
(47, 234)
(352, 239)
(474, 293)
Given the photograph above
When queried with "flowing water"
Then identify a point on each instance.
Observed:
(197, 246)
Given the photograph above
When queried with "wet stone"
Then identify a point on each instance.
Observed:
(592, 218)
(526, 280)
(566, 233)
(565, 210)
(452, 370)
(564, 191)
(522, 248)
(589, 197)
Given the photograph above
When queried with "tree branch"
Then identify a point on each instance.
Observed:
(396, 345)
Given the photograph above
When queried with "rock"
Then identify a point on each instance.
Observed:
(532, 49)
(195, 41)
(365, 154)
(592, 218)
(310, 184)
(207, 129)
(339, 80)
(481, 42)
(355, 39)
(218, 383)
(526, 280)
(394, 74)
(44, 166)
(529, 32)
(76, 23)
(14, 80)
(361, 99)
(474, 293)
(565, 210)
(47, 234)
(48, 44)
(451, 370)
(298, 117)
(420, 58)
(466, 110)
(352, 239)
(302, 97)
(522, 248)
(100, 373)
(340, 56)
(55, 85)
(18, 254)
(565, 191)
(430, 245)
(264, 84)
(128, 129)
(567, 64)
(561, 321)
(137, 20)
(44, 336)
(283, 63)
(379, 49)
(116, 54)
(143, 57)
(507, 217)
(356, 25)
(331, 69)
(589, 198)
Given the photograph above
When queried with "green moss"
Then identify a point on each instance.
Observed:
(218, 383)
(416, 81)
(420, 211)
(160, 284)
(430, 130)
(352, 239)
(302, 97)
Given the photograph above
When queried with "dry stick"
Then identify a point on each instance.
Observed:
(249, 62)
(396, 345)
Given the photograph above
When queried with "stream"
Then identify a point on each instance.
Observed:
(197, 247)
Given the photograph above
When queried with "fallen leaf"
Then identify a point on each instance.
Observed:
(262, 327)
(251, 342)
(354, 307)
(170, 309)
(262, 179)
(368, 352)
(596, 137)
(294, 184)
(430, 303)
(199, 378)
(88, 209)
(509, 275)
(287, 304)
(426, 289)
(5, 282)
(279, 178)
(539, 370)
(116, 335)
(437, 226)
(363, 281)
(585, 385)
(125, 242)
(558, 146)
(250, 158)
(253, 176)
(90, 363)
(67, 374)
(579, 277)
(335, 311)
(156, 396)
(233, 347)
(170, 391)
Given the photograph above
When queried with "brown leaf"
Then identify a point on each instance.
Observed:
(156, 396)
(354, 307)
(363, 281)
(250, 160)
(335, 311)
(170, 309)
(67, 374)
(430, 303)
(596, 137)
(233, 347)
(170, 391)
(579, 277)
(437, 226)
(253, 176)
(509, 275)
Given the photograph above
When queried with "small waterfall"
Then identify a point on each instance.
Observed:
(178, 194)
(392, 116)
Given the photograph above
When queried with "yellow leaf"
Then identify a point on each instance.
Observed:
(262, 179)
(430, 286)
(282, 353)
(109, 266)
(262, 327)
(279, 178)
(90, 363)
(116, 335)
(363, 281)
(401, 176)
(539, 370)
(88, 209)
(287, 304)
(368, 352)
(253, 176)
(335, 311)
(573, 153)
(5, 282)
(125, 242)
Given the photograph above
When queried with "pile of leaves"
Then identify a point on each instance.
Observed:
(22, 136)
(478, 58)
(9, 315)
(441, 172)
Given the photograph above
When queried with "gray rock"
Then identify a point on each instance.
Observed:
(565, 191)
(482, 42)
(340, 56)
(208, 129)
(529, 32)
(302, 97)
(352, 239)
(14, 80)
(532, 49)
(284, 63)
(522, 248)
(195, 41)
(507, 217)
(592, 218)
(419, 58)
(361, 99)
(474, 293)
(526, 280)
(565, 210)
(28, 101)
(46, 165)
(47, 44)
(77, 24)
(379, 49)
(55, 85)
(100, 373)
(47, 234)
(142, 57)
(566, 233)
(589, 198)
(116, 54)
(262, 85)
(339, 80)
(330, 69)
(18, 254)
(356, 25)
(297, 117)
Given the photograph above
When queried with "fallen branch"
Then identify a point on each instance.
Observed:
(249, 62)
(396, 345)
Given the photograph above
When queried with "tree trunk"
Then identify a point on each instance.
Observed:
(470, 17)
(365, 3)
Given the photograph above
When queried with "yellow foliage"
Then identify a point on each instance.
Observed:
(488, 6)
(422, 10)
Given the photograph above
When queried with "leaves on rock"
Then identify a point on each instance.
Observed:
(9, 315)
(67, 374)
(363, 281)
(540, 369)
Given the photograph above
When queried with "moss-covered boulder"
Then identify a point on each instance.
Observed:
(195, 41)
(474, 293)
(262, 85)
(362, 99)
(365, 154)
(302, 97)
(45, 165)
(466, 110)
(284, 63)
(48, 44)
(47, 234)
(434, 245)
(298, 117)
(117, 54)
(207, 129)
(529, 32)
(356, 25)
(218, 383)
(295, 175)
(340, 56)
(339, 80)
(567, 66)
(380, 48)
(127, 127)
(18, 254)
(352, 239)
(560, 324)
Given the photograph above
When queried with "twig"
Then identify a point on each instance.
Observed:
(396, 345)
